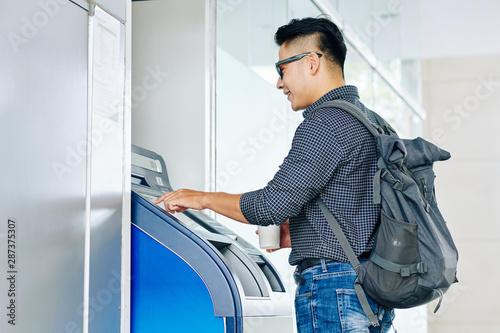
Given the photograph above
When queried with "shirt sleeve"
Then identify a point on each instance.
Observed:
(310, 164)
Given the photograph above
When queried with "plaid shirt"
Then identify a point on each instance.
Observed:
(332, 155)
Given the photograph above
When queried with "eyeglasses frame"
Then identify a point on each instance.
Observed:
(292, 59)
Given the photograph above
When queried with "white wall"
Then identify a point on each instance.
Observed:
(462, 98)
(461, 94)
(452, 28)
(168, 86)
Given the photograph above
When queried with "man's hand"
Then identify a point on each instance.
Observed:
(180, 200)
(222, 203)
(285, 241)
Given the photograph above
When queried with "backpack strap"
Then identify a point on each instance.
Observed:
(353, 259)
(376, 129)
(404, 270)
(380, 127)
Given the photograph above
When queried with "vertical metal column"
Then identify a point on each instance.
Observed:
(43, 121)
(62, 140)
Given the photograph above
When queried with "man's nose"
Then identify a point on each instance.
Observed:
(279, 84)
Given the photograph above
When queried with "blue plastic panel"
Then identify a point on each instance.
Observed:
(167, 294)
(204, 259)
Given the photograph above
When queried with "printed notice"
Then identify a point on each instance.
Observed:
(11, 273)
(108, 75)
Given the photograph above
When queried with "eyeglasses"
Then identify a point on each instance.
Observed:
(292, 59)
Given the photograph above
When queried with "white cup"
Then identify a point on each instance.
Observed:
(269, 237)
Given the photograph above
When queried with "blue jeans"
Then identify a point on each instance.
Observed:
(325, 301)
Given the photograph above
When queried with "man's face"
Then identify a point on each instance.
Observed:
(294, 81)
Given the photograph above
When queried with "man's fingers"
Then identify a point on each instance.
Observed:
(167, 202)
(163, 197)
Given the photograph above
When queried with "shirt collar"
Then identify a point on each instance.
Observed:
(348, 93)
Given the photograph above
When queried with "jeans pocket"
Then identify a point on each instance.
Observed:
(352, 316)
(303, 313)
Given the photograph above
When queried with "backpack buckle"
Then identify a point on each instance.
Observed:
(422, 267)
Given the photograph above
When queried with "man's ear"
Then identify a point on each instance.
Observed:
(313, 62)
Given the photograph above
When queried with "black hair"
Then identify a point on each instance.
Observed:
(330, 41)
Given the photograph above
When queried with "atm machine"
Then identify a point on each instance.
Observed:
(190, 273)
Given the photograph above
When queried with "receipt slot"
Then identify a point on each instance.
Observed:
(190, 273)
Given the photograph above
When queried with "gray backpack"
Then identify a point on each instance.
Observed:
(414, 259)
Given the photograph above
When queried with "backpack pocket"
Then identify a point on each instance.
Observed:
(386, 277)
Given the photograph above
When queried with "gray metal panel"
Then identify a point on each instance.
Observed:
(43, 116)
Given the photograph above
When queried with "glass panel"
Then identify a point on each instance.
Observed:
(254, 122)
(359, 73)
(389, 29)
(301, 8)
(393, 109)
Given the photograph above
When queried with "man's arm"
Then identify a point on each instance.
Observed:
(220, 202)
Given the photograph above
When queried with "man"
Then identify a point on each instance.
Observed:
(332, 155)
